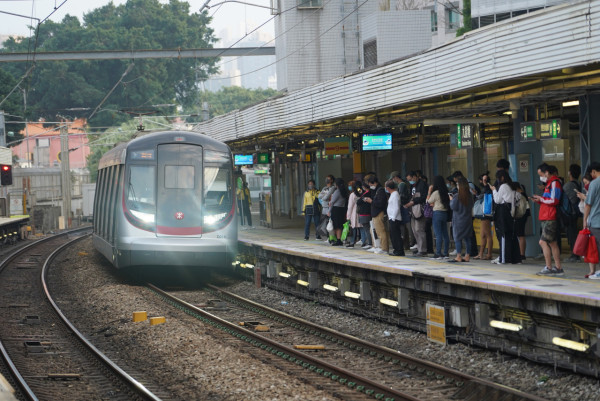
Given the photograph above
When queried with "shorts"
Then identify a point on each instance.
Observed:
(520, 226)
(549, 230)
(338, 215)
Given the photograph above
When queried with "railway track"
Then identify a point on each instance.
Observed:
(348, 367)
(48, 359)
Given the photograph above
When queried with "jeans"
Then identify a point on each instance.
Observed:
(364, 235)
(316, 218)
(440, 227)
(467, 247)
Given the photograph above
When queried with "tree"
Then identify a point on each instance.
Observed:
(12, 106)
(228, 99)
(466, 19)
(76, 88)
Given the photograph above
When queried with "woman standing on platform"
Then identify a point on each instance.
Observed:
(440, 201)
(338, 208)
(364, 215)
(462, 219)
(352, 214)
(311, 209)
(504, 197)
(487, 241)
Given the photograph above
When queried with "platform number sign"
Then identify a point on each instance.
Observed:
(550, 129)
(5, 174)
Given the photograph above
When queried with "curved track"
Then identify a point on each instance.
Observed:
(48, 358)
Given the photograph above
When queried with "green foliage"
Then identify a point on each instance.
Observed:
(67, 87)
(230, 98)
(466, 19)
(12, 107)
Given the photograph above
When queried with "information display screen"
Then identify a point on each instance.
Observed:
(377, 142)
(242, 160)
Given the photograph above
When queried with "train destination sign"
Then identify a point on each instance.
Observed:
(528, 131)
(338, 146)
(464, 136)
(550, 129)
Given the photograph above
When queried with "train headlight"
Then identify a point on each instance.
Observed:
(214, 218)
(145, 217)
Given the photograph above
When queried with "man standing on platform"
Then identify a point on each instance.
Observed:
(417, 221)
(591, 212)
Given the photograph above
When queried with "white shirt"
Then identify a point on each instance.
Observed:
(504, 194)
(393, 209)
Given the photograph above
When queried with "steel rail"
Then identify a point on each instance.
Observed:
(431, 366)
(139, 388)
(18, 378)
(298, 355)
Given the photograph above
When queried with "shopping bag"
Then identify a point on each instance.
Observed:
(488, 203)
(478, 208)
(345, 231)
(581, 244)
(330, 226)
(428, 211)
(592, 252)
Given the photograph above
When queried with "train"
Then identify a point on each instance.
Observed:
(166, 199)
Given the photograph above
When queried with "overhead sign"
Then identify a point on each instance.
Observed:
(242, 160)
(464, 135)
(338, 146)
(529, 131)
(377, 142)
(263, 158)
(550, 129)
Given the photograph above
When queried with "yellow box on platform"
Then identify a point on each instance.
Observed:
(140, 316)
(157, 320)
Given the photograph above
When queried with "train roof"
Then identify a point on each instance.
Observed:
(118, 154)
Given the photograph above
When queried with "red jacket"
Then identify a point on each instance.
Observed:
(550, 200)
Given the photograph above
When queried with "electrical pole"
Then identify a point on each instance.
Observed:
(65, 175)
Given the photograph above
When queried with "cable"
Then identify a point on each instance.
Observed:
(111, 91)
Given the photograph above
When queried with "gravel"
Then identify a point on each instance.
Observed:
(183, 356)
(540, 380)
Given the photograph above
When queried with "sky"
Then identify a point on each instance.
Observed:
(237, 18)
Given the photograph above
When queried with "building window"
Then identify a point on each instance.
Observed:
(433, 21)
(370, 53)
(310, 3)
(43, 142)
(453, 19)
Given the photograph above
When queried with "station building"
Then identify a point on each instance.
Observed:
(524, 89)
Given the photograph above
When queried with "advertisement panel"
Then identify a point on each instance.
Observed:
(377, 142)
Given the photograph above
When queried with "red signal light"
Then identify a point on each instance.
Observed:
(5, 168)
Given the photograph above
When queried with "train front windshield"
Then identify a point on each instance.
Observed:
(179, 190)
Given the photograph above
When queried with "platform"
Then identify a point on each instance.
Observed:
(518, 279)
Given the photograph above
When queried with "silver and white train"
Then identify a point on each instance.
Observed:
(166, 199)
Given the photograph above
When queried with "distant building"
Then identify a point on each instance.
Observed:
(487, 12)
(40, 146)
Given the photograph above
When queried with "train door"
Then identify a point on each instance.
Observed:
(179, 190)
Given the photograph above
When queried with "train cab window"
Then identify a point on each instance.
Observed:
(141, 193)
(217, 189)
(179, 177)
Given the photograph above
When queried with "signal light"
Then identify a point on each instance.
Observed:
(5, 174)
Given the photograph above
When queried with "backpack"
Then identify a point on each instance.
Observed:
(521, 205)
(566, 207)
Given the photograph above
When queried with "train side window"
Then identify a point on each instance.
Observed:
(97, 201)
(107, 199)
(102, 196)
(115, 202)
(179, 177)
(111, 203)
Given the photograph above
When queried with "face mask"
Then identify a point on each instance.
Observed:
(349, 188)
(544, 179)
(327, 181)
(311, 186)
(448, 186)
(373, 187)
(587, 186)
(412, 182)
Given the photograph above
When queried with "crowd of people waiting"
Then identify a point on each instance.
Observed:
(409, 212)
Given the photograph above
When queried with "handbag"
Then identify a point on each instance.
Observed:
(582, 242)
(309, 210)
(488, 205)
(428, 211)
(591, 255)
(478, 207)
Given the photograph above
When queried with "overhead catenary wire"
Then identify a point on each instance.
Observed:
(111, 91)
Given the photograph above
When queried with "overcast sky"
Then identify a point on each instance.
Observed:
(237, 18)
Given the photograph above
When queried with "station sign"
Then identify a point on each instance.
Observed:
(261, 171)
(529, 131)
(550, 129)
(464, 135)
(338, 146)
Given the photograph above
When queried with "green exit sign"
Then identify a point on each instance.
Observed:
(263, 158)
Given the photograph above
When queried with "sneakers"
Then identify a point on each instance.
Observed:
(421, 254)
(318, 238)
(414, 247)
(496, 261)
(379, 251)
(595, 276)
(337, 243)
(453, 253)
(359, 243)
(350, 245)
(552, 272)
(366, 247)
(373, 249)
(305, 238)
(437, 257)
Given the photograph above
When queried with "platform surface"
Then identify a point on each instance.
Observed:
(519, 279)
